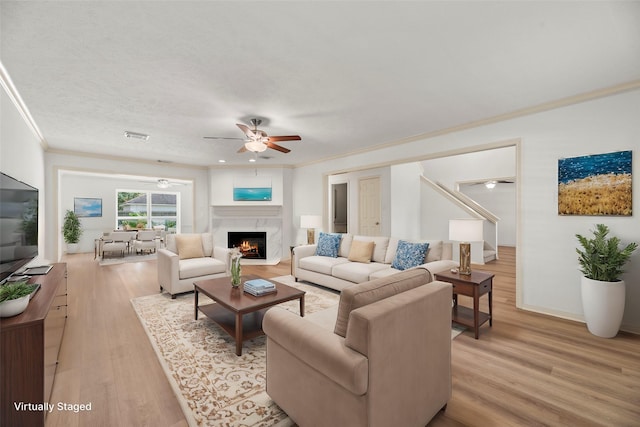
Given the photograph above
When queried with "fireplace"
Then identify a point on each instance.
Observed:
(252, 244)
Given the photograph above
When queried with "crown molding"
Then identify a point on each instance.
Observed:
(122, 158)
(14, 95)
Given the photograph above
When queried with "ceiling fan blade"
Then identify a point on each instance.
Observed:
(247, 131)
(277, 147)
(242, 149)
(222, 137)
(284, 138)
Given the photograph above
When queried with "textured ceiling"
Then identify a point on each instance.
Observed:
(343, 75)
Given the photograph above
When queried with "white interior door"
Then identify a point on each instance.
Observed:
(369, 208)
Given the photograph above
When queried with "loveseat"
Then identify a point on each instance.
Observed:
(380, 357)
(357, 259)
(188, 258)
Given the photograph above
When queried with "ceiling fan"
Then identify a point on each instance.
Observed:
(257, 140)
(163, 183)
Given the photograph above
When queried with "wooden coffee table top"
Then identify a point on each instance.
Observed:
(238, 301)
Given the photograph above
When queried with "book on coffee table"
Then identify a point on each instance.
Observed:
(258, 287)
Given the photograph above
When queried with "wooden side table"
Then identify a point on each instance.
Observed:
(474, 285)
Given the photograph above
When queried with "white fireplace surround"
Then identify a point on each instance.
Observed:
(249, 218)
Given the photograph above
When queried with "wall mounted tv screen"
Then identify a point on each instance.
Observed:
(18, 224)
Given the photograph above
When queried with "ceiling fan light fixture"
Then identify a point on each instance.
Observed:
(136, 135)
(255, 146)
(163, 183)
(490, 184)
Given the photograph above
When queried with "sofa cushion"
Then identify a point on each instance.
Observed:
(380, 248)
(321, 264)
(409, 255)
(328, 244)
(361, 294)
(203, 266)
(357, 272)
(189, 246)
(345, 245)
(434, 252)
(207, 244)
(361, 251)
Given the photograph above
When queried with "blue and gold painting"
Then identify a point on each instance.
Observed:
(598, 184)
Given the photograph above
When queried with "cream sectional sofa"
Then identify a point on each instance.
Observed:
(339, 272)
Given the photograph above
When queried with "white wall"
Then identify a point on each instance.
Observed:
(405, 206)
(63, 184)
(22, 157)
(548, 276)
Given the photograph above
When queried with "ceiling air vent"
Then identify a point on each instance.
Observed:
(136, 135)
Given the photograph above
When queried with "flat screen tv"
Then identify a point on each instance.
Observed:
(18, 225)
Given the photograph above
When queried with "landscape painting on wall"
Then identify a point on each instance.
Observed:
(87, 207)
(598, 184)
(252, 189)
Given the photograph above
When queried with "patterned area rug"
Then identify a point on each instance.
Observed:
(214, 386)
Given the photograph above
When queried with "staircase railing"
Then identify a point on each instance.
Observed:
(474, 209)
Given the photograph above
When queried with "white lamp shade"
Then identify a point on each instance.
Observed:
(465, 230)
(310, 221)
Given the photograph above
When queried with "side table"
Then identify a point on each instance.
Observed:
(474, 285)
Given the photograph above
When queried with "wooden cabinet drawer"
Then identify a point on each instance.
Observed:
(463, 288)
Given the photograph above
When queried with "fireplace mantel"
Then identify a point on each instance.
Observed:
(250, 211)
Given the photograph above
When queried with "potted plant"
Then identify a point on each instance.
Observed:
(14, 298)
(603, 291)
(71, 231)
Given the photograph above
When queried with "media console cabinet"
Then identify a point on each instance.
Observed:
(29, 347)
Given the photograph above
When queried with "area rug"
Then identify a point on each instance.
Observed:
(213, 385)
(127, 258)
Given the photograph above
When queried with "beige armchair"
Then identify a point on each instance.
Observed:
(145, 241)
(188, 258)
(386, 362)
(117, 241)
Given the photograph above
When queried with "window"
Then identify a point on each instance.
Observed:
(147, 209)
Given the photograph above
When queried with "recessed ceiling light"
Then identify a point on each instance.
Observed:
(222, 161)
(252, 160)
(136, 135)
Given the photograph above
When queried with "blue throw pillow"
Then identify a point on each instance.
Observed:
(409, 255)
(328, 244)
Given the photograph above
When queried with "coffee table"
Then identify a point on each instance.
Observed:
(237, 312)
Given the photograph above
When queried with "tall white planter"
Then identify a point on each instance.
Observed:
(72, 248)
(603, 306)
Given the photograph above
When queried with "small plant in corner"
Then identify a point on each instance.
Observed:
(71, 228)
(601, 258)
(15, 290)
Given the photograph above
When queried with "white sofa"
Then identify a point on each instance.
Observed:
(339, 272)
(188, 258)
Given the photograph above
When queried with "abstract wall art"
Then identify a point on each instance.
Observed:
(598, 184)
(87, 207)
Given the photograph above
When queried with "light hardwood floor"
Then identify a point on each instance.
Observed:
(528, 369)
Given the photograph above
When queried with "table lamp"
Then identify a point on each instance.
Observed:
(465, 231)
(311, 222)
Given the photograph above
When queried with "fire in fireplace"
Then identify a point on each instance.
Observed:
(252, 244)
